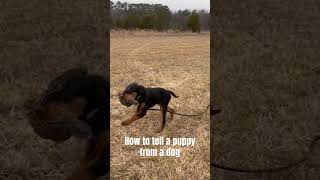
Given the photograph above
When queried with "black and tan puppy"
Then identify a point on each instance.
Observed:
(145, 98)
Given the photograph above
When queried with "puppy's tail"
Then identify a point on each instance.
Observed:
(174, 95)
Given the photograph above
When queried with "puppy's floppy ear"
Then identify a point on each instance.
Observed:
(134, 84)
(138, 88)
(131, 87)
(141, 89)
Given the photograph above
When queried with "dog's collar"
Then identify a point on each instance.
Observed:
(91, 114)
(139, 98)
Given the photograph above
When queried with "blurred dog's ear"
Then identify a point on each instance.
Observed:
(141, 90)
(131, 87)
(60, 82)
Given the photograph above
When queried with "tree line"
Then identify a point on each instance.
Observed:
(157, 17)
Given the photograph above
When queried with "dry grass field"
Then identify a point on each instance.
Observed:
(38, 41)
(175, 61)
(266, 78)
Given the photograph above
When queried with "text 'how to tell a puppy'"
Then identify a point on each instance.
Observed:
(171, 151)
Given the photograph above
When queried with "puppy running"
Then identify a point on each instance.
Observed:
(146, 98)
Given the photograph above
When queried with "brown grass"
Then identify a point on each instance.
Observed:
(179, 62)
(265, 78)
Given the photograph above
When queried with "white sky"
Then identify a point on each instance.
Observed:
(175, 4)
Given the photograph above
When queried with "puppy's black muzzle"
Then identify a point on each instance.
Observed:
(127, 100)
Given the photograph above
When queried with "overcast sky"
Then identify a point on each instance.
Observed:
(174, 4)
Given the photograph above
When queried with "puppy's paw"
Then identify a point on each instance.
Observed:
(159, 130)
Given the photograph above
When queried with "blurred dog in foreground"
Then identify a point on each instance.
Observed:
(76, 104)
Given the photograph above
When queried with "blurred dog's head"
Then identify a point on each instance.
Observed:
(131, 94)
(56, 114)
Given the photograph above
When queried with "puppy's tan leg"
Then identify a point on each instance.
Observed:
(163, 118)
(94, 154)
(136, 115)
(171, 111)
(95, 149)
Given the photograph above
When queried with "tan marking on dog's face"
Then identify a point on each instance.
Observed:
(128, 99)
(58, 121)
(77, 106)
(50, 111)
